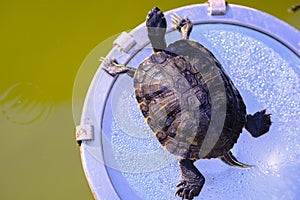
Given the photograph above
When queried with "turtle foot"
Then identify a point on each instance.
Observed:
(111, 66)
(259, 123)
(184, 25)
(188, 190)
(191, 182)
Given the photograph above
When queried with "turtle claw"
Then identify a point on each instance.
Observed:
(179, 22)
(184, 25)
(111, 66)
(187, 190)
(176, 19)
(191, 182)
(259, 123)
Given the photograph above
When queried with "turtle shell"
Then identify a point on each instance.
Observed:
(189, 102)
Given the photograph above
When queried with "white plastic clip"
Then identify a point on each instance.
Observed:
(84, 132)
(125, 42)
(217, 7)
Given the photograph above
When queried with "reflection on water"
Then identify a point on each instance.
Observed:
(24, 103)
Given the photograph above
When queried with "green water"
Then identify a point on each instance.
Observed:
(43, 44)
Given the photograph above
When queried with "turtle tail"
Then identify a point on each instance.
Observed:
(229, 159)
(259, 123)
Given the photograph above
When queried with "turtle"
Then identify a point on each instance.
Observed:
(192, 106)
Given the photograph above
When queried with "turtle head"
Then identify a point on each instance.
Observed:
(156, 28)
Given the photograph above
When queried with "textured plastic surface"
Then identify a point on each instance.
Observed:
(260, 54)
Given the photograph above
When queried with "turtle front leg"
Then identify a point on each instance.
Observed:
(191, 181)
(184, 25)
(112, 67)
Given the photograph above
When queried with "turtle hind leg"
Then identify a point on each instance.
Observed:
(229, 159)
(259, 123)
(112, 67)
(184, 25)
(191, 182)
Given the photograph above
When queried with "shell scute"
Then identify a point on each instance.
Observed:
(181, 98)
